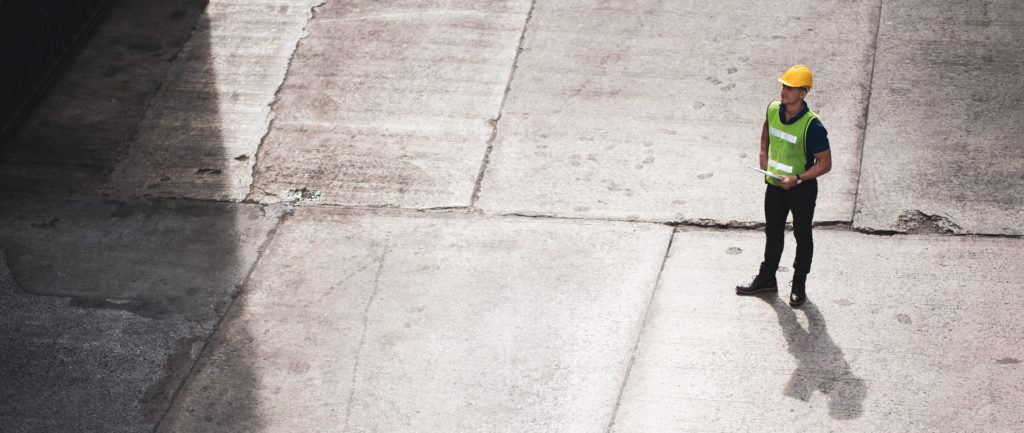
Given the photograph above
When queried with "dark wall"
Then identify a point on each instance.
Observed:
(36, 36)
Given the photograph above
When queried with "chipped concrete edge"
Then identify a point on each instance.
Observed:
(272, 114)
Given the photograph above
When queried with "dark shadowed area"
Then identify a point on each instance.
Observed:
(106, 301)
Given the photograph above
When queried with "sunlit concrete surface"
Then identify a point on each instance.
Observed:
(653, 110)
(391, 104)
(943, 147)
(899, 334)
(442, 323)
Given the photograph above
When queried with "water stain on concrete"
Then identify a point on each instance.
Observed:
(51, 224)
(844, 302)
(152, 310)
(903, 318)
(733, 251)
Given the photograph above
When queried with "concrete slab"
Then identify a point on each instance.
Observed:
(391, 104)
(201, 132)
(942, 151)
(72, 368)
(901, 333)
(81, 127)
(154, 258)
(652, 110)
(445, 322)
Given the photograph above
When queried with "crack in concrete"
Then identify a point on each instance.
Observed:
(221, 315)
(272, 115)
(403, 16)
(362, 337)
(501, 109)
(643, 327)
(177, 367)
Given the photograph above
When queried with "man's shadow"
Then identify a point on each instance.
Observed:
(820, 363)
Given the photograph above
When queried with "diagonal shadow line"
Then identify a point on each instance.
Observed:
(821, 365)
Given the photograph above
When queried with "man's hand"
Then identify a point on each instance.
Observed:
(787, 182)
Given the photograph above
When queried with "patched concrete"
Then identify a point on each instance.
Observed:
(391, 104)
(905, 333)
(155, 258)
(390, 322)
(653, 110)
(71, 368)
(201, 132)
(943, 140)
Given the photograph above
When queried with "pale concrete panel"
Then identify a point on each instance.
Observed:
(360, 322)
(652, 110)
(201, 132)
(391, 104)
(900, 333)
(943, 147)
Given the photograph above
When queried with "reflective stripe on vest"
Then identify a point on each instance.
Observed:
(781, 134)
(787, 144)
(780, 166)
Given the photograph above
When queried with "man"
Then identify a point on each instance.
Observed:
(794, 146)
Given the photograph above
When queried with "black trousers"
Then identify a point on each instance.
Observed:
(778, 203)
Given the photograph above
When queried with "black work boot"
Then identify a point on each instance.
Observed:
(763, 282)
(799, 294)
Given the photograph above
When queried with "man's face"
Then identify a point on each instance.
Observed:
(792, 95)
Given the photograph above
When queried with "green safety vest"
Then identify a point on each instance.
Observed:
(787, 145)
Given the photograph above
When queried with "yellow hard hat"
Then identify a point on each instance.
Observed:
(797, 76)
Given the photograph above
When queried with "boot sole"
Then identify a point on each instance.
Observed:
(754, 292)
(796, 304)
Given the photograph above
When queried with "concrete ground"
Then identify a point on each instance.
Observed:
(521, 216)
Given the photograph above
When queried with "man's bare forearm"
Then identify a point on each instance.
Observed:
(763, 157)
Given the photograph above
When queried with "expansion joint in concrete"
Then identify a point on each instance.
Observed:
(867, 110)
(640, 332)
(271, 234)
(257, 157)
(501, 109)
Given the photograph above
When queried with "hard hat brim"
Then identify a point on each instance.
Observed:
(790, 85)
